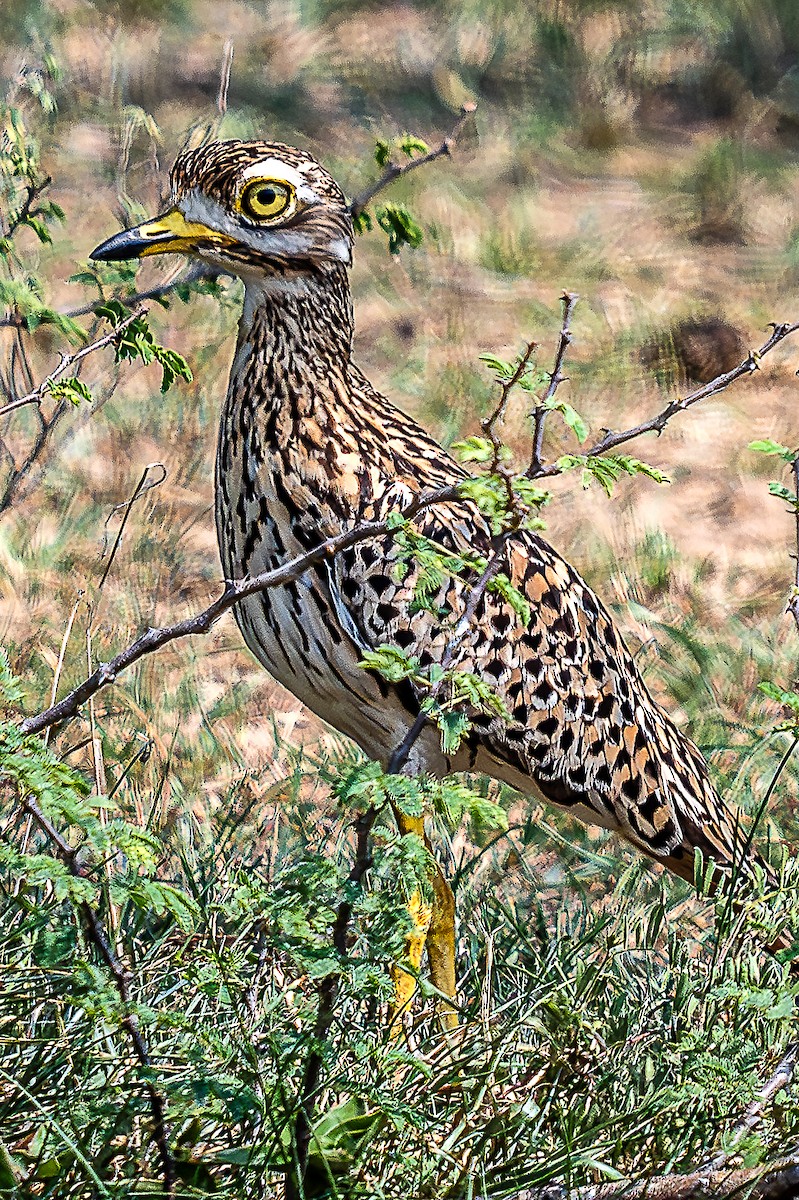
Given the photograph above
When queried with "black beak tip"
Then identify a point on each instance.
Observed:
(124, 245)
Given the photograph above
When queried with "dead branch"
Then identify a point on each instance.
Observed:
(394, 171)
(779, 1079)
(778, 1181)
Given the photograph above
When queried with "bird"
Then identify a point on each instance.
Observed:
(307, 449)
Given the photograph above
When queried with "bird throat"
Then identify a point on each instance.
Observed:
(287, 417)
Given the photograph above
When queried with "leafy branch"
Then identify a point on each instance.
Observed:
(153, 639)
(392, 171)
(658, 422)
(32, 768)
(73, 389)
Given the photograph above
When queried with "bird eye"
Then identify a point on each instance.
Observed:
(265, 198)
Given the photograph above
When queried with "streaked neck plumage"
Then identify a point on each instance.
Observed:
(301, 322)
(288, 410)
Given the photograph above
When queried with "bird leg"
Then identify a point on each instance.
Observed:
(433, 927)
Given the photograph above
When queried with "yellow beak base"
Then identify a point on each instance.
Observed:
(167, 234)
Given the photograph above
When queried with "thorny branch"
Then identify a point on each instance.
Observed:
(154, 638)
(121, 976)
(568, 300)
(488, 424)
(394, 171)
(328, 994)
(658, 422)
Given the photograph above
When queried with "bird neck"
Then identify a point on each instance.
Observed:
(299, 329)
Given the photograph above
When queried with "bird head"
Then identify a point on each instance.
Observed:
(248, 208)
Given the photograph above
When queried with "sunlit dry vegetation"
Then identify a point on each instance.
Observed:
(615, 1025)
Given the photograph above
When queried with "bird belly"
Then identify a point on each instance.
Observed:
(289, 632)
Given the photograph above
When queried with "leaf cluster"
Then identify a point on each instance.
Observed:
(137, 341)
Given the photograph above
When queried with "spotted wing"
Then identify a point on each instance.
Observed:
(584, 733)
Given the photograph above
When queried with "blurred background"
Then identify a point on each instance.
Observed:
(642, 155)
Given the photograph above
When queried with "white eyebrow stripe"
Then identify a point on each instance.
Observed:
(274, 168)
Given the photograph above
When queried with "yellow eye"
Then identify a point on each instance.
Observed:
(265, 198)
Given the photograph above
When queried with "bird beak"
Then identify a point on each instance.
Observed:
(170, 233)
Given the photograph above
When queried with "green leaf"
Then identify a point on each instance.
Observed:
(454, 726)
(502, 369)
(570, 416)
(501, 585)
(784, 1007)
(382, 152)
(74, 390)
(787, 699)
(607, 469)
(475, 449)
(11, 691)
(173, 366)
(393, 664)
(361, 222)
(114, 311)
(767, 446)
(402, 229)
(783, 493)
(411, 145)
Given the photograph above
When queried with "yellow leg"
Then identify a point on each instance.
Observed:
(404, 980)
(433, 927)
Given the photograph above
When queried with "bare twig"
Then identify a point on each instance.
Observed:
(394, 171)
(201, 622)
(658, 422)
(793, 603)
(96, 933)
(568, 300)
(141, 489)
(224, 78)
(488, 424)
(47, 425)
